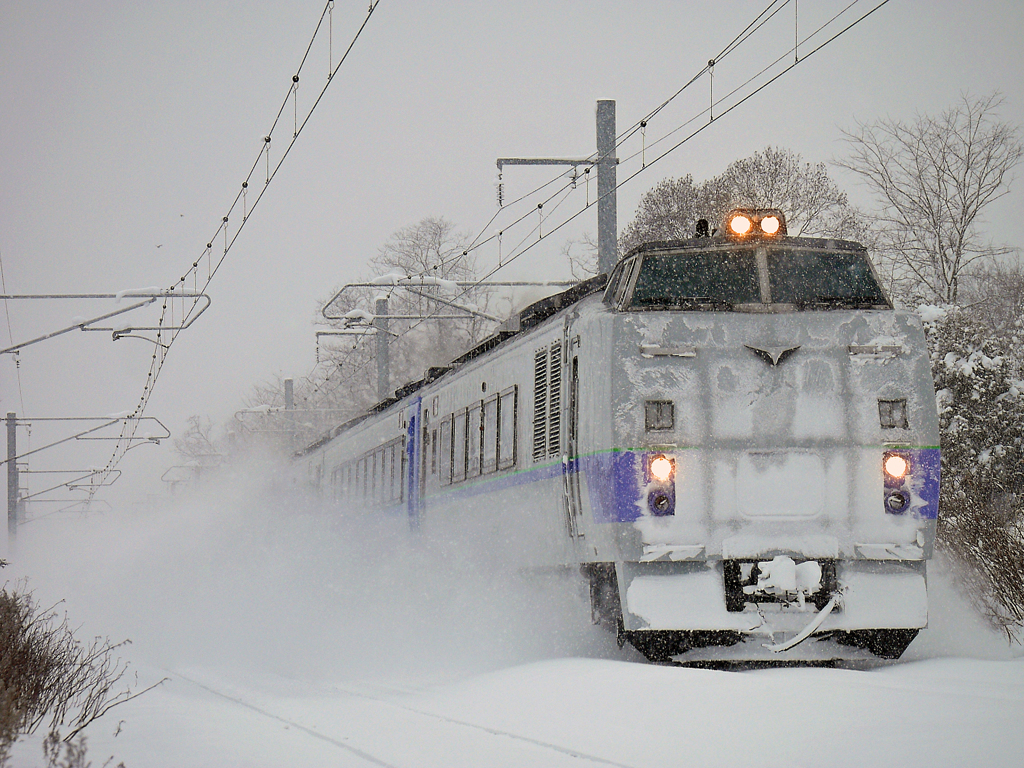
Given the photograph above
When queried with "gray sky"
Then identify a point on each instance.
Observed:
(128, 126)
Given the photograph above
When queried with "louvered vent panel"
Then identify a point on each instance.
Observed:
(555, 398)
(540, 403)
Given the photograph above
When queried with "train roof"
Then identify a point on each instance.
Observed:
(828, 243)
(527, 318)
(539, 311)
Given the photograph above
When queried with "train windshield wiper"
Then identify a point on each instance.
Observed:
(701, 302)
(831, 302)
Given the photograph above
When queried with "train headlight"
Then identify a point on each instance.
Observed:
(662, 468)
(739, 224)
(755, 222)
(895, 466)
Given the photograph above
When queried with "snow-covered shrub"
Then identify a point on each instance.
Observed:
(980, 397)
(46, 673)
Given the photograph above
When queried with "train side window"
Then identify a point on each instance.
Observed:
(474, 432)
(444, 463)
(459, 447)
(507, 407)
(612, 288)
(433, 451)
(628, 273)
(375, 475)
(490, 434)
(387, 455)
(398, 469)
(336, 483)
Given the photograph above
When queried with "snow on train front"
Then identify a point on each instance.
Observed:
(769, 489)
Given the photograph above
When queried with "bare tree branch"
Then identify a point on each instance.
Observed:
(934, 179)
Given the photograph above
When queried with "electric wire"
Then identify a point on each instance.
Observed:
(130, 426)
(797, 61)
(591, 161)
(160, 356)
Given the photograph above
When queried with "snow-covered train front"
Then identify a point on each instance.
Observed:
(733, 439)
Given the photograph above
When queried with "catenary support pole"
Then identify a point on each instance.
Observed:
(380, 322)
(607, 242)
(12, 481)
(606, 161)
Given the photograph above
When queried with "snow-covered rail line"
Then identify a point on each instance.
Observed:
(290, 723)
(418, 740)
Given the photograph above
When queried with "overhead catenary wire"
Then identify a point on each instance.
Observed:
(591, 161)
(213, 265)
(527, 246)
(166, 337)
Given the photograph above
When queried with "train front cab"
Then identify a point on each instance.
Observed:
(771, 490)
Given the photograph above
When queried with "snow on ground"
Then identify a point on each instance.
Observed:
(291, 643)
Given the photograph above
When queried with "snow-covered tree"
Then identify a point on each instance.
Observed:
(980, 397)
(772, 178)
(994, 294)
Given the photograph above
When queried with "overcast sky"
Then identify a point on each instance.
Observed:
(126, 130)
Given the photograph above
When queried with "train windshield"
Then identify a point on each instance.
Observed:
(820, 280)
(711, 280)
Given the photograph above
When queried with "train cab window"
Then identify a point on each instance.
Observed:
(703, 280)
(489, 427)
(823, 280)
(474, 431)
(444, 458)
(507, 428)
(459, 447)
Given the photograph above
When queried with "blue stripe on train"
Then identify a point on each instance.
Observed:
(927, 463)
(615, 483)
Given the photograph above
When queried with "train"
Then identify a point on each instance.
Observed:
(731, 442)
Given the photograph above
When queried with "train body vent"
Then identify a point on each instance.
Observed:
(540, 403)
(547, 400)
(555, 398)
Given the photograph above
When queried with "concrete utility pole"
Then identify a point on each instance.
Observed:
(380, 322)
(607, 224)
(12, 481)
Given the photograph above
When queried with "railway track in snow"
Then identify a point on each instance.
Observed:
(401, 736)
